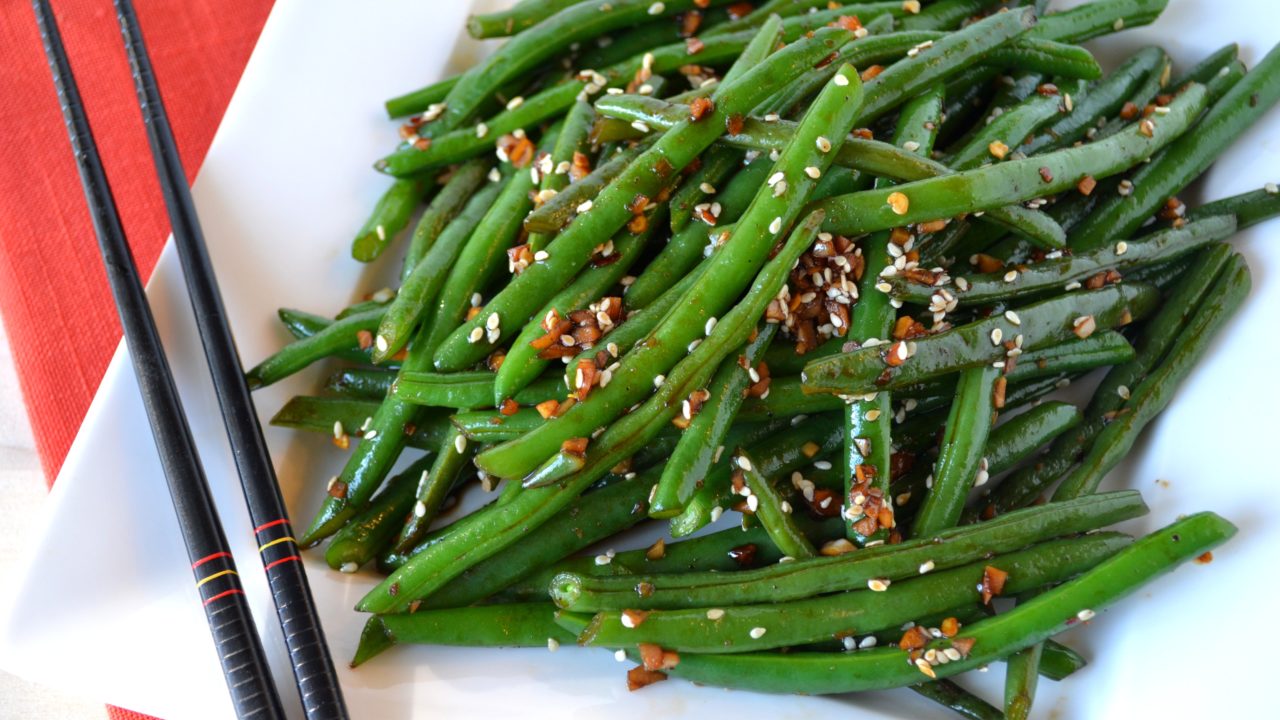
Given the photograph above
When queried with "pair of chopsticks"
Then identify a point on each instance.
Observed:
(244, 663)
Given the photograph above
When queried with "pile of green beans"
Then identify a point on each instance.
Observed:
(804, 272)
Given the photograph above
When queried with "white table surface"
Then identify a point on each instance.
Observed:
(22, 492)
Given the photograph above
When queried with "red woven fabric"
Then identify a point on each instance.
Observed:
(54, 299)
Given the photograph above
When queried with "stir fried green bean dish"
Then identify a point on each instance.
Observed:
(802, 271)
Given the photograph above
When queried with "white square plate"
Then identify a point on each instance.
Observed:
(107, 608)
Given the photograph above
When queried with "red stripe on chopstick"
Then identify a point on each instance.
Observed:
(270, 565)
(273, 523)
(207, 558)
(223, 594)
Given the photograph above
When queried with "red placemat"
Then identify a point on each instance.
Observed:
(54, 299)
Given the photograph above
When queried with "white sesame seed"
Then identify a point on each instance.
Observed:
(775, 178)
(743, 463)
(841, 80)
(460, 443)
(381, 231)
(996, 336)
(1012, 317)
(584, 206)
(640, 125)
(541, 256)
(419, 509)
(878, 584)
(515, 102)
(1011, 276)
(477, 299)
(775, 227)
(952, 654)
(1122, 247)
(822, 465)
(715, 614)
(926, 566)
(658, 380)
(1118, 25)
(1073, 285)
(657, 8)
(614, 91)
(626, 620)
(716, 512)
(753, 503)
(349, 567)
(494, 175)
(1123, 391)
(337, 429)
(710, 325)
(1271, 189)
(1086, 615)
(911, 146)
(620, 655)
(867, 642)
(780, 188)
(813, 172)
(553, 644)
(823, 144)
(757, 633)
(371, 435)
(707, 188)
(493, 321)
(645, 89)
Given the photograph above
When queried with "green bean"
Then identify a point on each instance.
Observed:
(807, 578)
(453, 457)
(1016, 180)
(686, 248)
(773, 512)
(945, 14)
(964, 440)
(481, 258)
(1069, 271)
(1186, 158)
(947, 56)
(361, 383)
(1155, 391)
(1153, 343)
(346, 416)
(557, 212)
(1015, 440)
(994, 638)
(865, 611)
(1103, 100)
(447, 204)
(1042, 324)
(302, 324)
(718, 165)
(491, 427)
(360, 540)
(763, 42)
(469, 390)
(1012, 127)
(675, 149)
(1248, 208)
(864, 11)
(1021, 676)
(702, 441)
(340, 335)
(1057, 661)
(516, 19)
(769, 216)
(870, 156)
(781, 453)
(420, 289)
(389, 217)
(574, 138)
(522, 625)
(1207, 69)
(421, 99)
(483, 534)
(544, 41)
(1101, 17)
(522, 363)
(955, 698)
(865, 461)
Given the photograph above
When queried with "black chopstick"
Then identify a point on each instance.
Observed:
(295, 608)
(253, 693)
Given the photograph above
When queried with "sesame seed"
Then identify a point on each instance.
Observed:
(1086, 615)
(657, 8)
(371, 435)
(1118, 25)
(775, 227)
(553, 644)
(337, 429)
(640, 125)
(813, 172)
(707, 188)
(841, 80)
(878, 584)
(541, 256)
(477, 299)
(349, 567)
(822, 465)
(823, 144)
(775, 178)
(867, 642)
(873, 415)
(460, 443)
(911, 146)
(626, 619)
(620, 655)
(1012, 317)
(381, 231)
(492, 321)
(1123, 391)
(1271, 189)
(926, 566)
(1073, 285)
(494, 175)
(584, 206)
(911, 6)
(381, 343)
(645, 89)
(743, 463)
(771, 117)
(996, 336)
(1122, 247)
(419, 509)
(716, 512)
(780, 189)
(658, 380)
(753, 503)
(715, 614)
(757, 633)
(515, 102)
(613, 91)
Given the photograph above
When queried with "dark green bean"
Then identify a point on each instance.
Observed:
(338, 336)
(516, 19)
(361, 383)
(717, 166)
(450, 201)
(1248, 208)
(522, 625)
(360, 540)
(772, 511)
(469, 390)
(453, 458)
(389, 217)
(345, 417)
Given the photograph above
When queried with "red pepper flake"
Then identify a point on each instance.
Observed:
(832, 57)
(1046, 174)
(1205, 558)
(655, 658)
(663, 167)
(744, 555)
(422, 144)
(342, 442)
(848, 22)
(495, 359)
(734, 123)
(949, 627)
(997, 394)
(1086, 185)
(987, 263)
(1047, 89)
(656, 551)
(915, 638)
(1129, 111)
(519, 150)
(689, 23)
(908, 327)
(509, 407)
(739, 9)
(693, 46)
(580, 167)
(864, 134)
(932, 226)
(575, 446)
(993, 580)
(700, 108)
(547, 408)
(472, 312)
(964, 645)
(365, 339)
(704, 4)
(636, 225)
(638, 677)
(824, 504)
(337, 489)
